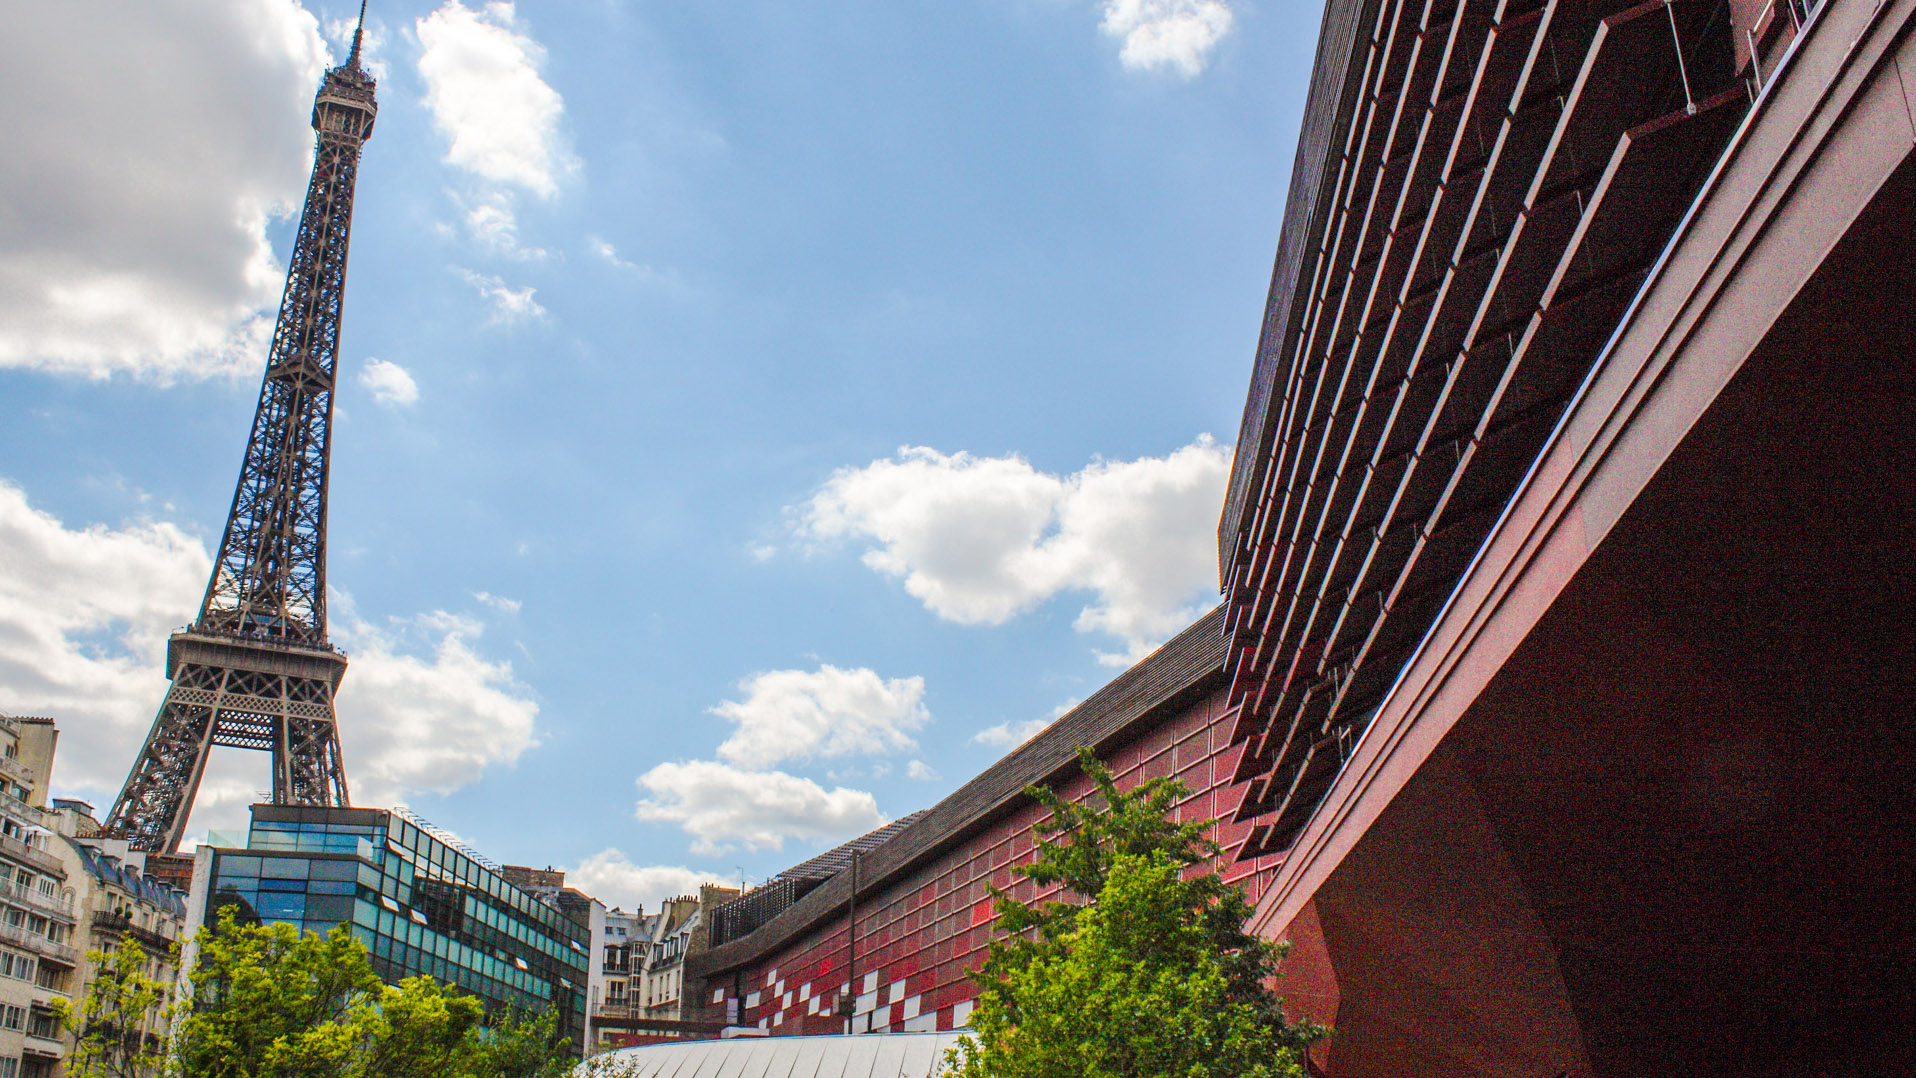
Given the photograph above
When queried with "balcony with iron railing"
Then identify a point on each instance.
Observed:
(38, 944)
(60, 906)
(119, 924)
(30, 814)
(31, 855)
(12, 768)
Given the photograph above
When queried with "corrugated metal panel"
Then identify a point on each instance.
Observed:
(891, 1055)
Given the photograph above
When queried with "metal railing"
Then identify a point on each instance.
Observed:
(1758, 34)
(39, 944)
(34, 814)
(57, 905)
(14, 769)
(32, 855)
(447, 837)
(121, 924)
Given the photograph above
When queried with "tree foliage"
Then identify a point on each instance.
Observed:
(269, 1002)
(1147, 972)
(120, 1024)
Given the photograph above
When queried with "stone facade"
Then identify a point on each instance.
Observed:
(39, 960)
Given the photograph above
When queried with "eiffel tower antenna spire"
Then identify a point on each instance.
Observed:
(255, 670)
(352, 58)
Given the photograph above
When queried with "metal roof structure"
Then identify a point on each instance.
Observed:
(754, 908)
(878, 1055)
(838, 859)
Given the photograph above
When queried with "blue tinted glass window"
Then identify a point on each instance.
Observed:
(282, 885)
(239, 866)
(274, 905)
(249, 897)
(333, 870)
(334, 908)
(292, 868)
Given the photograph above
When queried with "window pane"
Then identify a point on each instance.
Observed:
(282, 907)
(334, 908)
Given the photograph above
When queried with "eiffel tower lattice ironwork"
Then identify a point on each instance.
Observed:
(255, 669)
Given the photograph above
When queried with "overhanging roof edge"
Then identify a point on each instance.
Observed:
(1334, 79)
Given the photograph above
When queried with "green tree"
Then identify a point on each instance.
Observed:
(420, 1029)
(522, 1046)
(270, 1002)
(1148, 972)
(119, 1026)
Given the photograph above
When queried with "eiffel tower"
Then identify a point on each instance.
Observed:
(255, 669)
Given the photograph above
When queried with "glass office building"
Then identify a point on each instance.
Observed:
(420, 903)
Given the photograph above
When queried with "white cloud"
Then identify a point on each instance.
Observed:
(498, 602)
(1006, 734)
(501, 119)
(509, 305)
(668, 281)
(389, 383)
(1011, 734)
(723, 807)
(609, 253)
(800, 715)
(1175, 34)
(132, 244)
(979, 540)
(84, 617)
(420, 710)
(922, 771)
(492, 219)
(612, 878)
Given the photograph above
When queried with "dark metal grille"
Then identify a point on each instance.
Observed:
(748, 913)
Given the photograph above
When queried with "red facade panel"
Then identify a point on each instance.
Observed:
(919, 936)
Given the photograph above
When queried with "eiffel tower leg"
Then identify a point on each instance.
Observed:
(153, 806)
(310, 767)
(244, 694)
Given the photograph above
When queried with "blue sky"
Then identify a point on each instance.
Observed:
(754, 417)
